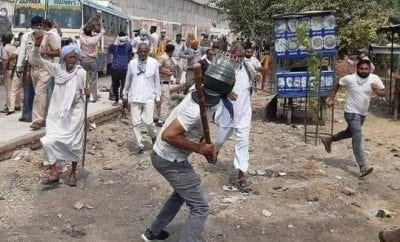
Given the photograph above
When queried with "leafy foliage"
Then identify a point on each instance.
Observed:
(358, 20)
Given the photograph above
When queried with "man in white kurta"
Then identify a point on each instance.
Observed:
(65, 119)
(237, 122)
(142, 90)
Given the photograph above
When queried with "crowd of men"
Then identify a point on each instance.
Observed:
(142, 71)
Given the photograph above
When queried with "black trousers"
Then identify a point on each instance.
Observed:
(118, 82)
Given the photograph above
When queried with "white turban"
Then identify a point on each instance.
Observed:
(121, 40)
(69, 49)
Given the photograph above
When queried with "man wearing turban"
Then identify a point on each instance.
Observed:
(65, 119)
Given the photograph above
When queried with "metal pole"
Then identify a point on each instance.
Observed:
(333, 106)
(306, 109)
(391, 70)
(319, 102)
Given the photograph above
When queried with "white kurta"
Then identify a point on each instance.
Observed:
(241, 107)
(63, 141)
(241, 123)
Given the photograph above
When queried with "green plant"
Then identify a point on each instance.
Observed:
(314, 72)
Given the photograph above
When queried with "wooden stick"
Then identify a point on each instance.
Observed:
(85, 130)
(202, 104)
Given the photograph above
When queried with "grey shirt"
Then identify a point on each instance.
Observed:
(193, 56)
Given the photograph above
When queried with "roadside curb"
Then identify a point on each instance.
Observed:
(32, 139)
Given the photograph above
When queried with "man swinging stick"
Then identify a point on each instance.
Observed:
(179, 137)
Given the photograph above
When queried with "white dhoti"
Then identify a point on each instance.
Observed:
(63, 140)
(66, 113)
(240, 125)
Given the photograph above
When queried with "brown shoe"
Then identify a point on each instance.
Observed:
(52, 179)
(36, 126)
(366, 170)
(72, 180)
(327, 141)
(389, 236)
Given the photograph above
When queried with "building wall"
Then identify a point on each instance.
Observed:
(193, 16)
(6, 16)
(189, 13)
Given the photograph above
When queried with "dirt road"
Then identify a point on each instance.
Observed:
(299, 190)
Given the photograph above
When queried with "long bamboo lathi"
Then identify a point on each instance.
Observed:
(202, 104)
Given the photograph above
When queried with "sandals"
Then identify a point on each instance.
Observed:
(72, 181)
(103, 88)
(36, 126)
(241, 185)
(50, 181)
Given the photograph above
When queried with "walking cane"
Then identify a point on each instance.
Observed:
(202, 104)
(86, 173)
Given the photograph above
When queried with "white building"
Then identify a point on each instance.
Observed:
(177, 16)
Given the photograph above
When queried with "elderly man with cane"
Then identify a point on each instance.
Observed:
(65, 119)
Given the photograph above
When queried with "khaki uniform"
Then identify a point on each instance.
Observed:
(12, 82)
(166, 63)
(40, 78)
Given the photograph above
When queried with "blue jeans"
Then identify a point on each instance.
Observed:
(186, 184)
(354, 123)
(29, 94)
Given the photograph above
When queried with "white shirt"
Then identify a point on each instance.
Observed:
(144, 87)
(179, 48)
(255, 63)
(241, 107)
(359, 91)
(154, 37)
(136, 41)
(26, 46)
(188, 115)
(57, 37)
(78, 43)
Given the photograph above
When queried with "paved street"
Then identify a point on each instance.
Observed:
(14, 133)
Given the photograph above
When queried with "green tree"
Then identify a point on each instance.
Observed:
(358, 20)
(251, 18)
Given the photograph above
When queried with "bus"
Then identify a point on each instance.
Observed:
(71, 15)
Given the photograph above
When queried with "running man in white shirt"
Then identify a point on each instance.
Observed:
(254, 62)
(359, 88)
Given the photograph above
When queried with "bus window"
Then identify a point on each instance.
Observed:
(93, 12)
(122, 24)
(107, 22)
(86, 14)
(115, 27)
(67, 13)
(119, 25)
(24, 12)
